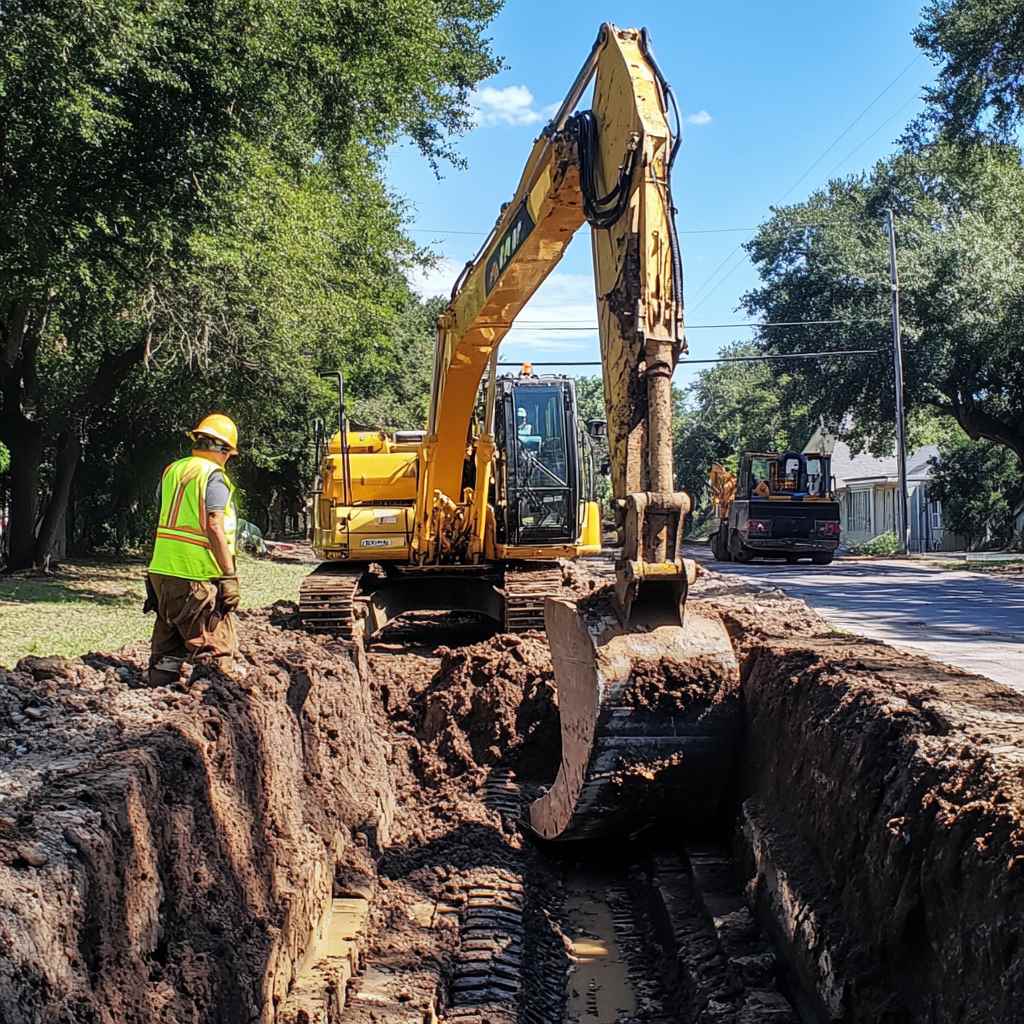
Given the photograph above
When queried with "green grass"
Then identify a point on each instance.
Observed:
(96, 604)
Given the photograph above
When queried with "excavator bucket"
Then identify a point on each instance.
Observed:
(649, 722)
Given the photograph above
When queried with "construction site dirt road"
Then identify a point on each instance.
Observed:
(315, 844)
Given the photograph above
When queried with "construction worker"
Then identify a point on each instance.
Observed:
(191, 584)
(523, 427)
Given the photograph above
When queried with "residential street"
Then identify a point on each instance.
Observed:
(970, 620)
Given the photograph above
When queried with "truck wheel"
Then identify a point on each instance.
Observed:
(719, 545)
(737, 552)
(822, 559)
(716, 549)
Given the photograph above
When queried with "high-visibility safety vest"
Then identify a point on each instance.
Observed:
(182, 548)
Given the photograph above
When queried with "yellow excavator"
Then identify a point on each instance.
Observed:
(475, 512)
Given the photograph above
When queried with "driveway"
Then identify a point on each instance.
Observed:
(967, 619)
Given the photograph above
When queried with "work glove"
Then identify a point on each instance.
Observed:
(151, 603)
(229, 593)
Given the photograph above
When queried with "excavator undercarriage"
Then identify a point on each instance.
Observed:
(355, 603)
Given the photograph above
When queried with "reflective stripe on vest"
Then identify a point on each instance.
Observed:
(182, 548)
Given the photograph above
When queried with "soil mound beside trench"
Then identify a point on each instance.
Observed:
(164, 852)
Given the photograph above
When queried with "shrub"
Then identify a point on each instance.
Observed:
(883, 544)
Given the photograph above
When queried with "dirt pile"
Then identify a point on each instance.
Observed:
(164, 853)
(494, 702)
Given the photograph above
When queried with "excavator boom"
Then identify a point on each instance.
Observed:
(475, 514)
(647, 705)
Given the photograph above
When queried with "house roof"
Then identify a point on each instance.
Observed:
(863, 468)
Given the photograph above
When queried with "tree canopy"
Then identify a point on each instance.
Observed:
(193, 191)
(978, 46)
(979, 485)
(961, 260)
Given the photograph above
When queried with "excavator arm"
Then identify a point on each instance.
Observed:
(648, 707)
(609, 166)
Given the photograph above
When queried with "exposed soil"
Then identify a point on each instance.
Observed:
(164, 853)
(483, 704)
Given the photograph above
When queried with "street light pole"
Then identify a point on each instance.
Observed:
(902, 511)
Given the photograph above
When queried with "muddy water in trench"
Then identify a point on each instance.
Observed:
(599, 987)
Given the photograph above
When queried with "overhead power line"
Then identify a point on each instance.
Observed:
(724, 359)
(571, 325)
(703, 291)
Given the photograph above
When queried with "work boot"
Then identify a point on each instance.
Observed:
(165, 671)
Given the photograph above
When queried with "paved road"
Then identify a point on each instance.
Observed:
(966, 619)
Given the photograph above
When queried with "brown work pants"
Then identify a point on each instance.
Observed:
(190, 626)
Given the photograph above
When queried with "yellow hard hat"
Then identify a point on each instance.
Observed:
(219, 427)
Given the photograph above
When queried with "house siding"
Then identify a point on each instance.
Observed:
(863, 518)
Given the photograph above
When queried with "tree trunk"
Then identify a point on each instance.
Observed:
(25, 444)
(52, 541)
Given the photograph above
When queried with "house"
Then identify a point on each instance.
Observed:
(866, 487)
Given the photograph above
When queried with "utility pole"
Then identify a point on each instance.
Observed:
(902, 503)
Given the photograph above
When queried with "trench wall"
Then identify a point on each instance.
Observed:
(882, 824)
(166, 854)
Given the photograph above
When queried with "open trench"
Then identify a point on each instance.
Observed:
(649, 928)
(315, 845)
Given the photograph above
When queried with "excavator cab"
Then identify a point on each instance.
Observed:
(542, 458)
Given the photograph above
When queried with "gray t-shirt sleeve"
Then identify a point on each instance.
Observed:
(217, 492)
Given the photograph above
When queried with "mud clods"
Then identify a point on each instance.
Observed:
(483, 704)
(167, 854)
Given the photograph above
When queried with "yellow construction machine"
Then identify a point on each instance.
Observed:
(477, 511)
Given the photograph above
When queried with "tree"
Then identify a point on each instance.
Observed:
(130, 135)
(979, 47)
(979, 485)
(961, 258)
(736, 407)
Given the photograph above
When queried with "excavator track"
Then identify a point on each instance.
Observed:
(525, 592)
(327, 600)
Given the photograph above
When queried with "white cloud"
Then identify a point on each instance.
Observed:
(562, 298)
(701, 117)
(429, 282)
(512, 105)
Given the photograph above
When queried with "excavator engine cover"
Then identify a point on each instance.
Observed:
(649, 722)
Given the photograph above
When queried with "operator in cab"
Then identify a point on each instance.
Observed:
(192, 584)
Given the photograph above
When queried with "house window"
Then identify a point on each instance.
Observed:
(935, 511)
(858, 514)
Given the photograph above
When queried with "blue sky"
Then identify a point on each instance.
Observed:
(778, 98)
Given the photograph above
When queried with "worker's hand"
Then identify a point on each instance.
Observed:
(229, 593)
